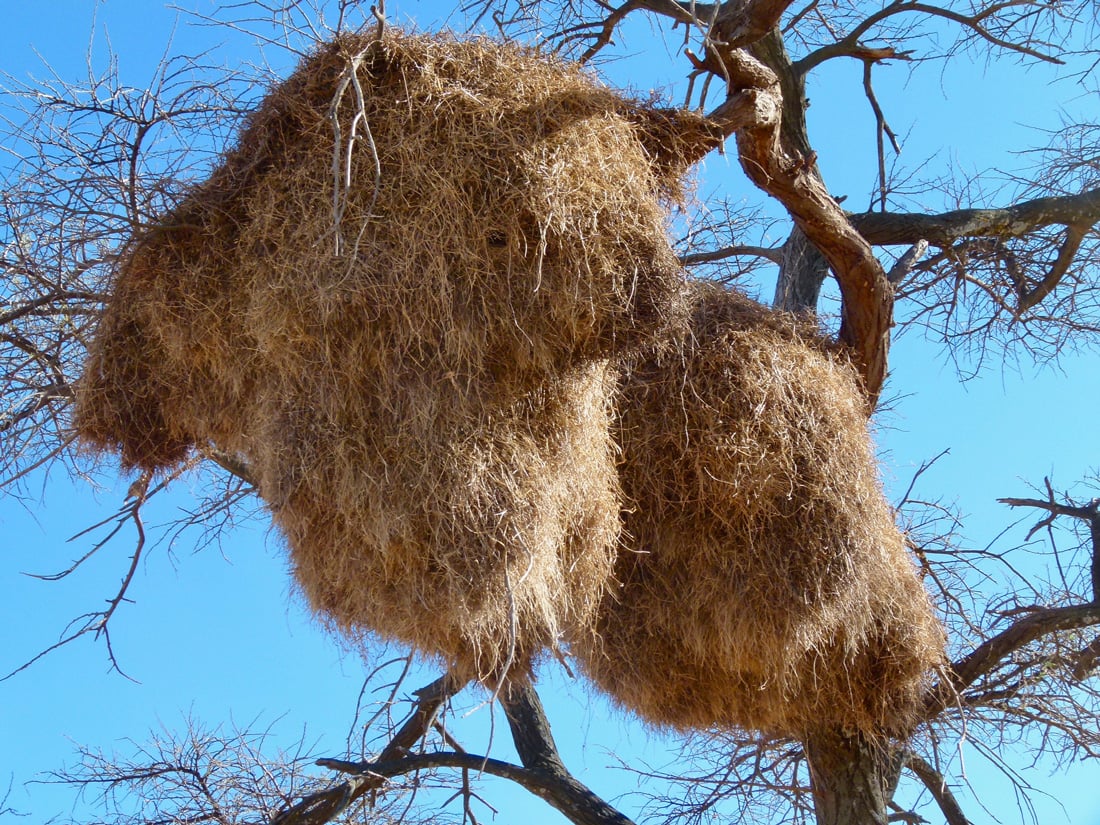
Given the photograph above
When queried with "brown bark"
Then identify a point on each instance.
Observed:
(781, 164)
(868, 299)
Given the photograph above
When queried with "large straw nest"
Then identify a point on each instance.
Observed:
(395, 298)
(764, 584)
(483, 552)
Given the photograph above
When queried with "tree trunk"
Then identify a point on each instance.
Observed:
(801, 274)
(852, 779)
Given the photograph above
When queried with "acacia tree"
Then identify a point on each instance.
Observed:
(93, 164)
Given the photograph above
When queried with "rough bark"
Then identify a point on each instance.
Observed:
(802, 272)
(539, 755)
(776, 164)
(868, 299)
(943, 229)
(852, 779)
(803, 269)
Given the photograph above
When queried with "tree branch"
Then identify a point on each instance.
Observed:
(773, 254)
(943, 229)
(903, 265)
(542, 784)
(324, 806)
(1089, 513)
(849, 45)
(733, 23)
(542, 772)
(992, 652)
(539, 755)
(868, 299)
(802, 271)
(1030, 298)
(937, 786)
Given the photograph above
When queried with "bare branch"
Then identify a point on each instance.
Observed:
(323, 806)
(98, 623)
(849, 45)
(887, 229)
(1089, 513)
(542, 773)
(995, 651)
(868, 297)
(904, 265)
(771, 253)
(938, 787)
(1030, 298)
(539, 754)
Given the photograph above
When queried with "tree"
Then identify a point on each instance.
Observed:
(1004, 276)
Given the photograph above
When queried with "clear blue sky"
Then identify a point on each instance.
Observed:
(219, 635)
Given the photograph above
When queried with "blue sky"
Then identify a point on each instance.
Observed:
(219, 635)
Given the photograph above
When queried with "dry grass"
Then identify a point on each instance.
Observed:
(763, 584)
(403, 299)
(394, 298)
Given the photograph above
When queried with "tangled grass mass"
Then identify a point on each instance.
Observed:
(429, 299)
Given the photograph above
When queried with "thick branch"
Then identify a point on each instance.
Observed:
(868, 297)
(1089, 512)
(802, 272)
(741, 22)
(736, 22)
(893, 228)
(852, 779)
(550, 779)
(235, 466)
(1029, 298)
(937, 786)
(754, 112)
(988, 655)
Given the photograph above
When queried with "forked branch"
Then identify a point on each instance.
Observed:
(539, 755)
(994, 651)
(542, 772)
(324, 806)
(943, 229)
(1088, 513)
